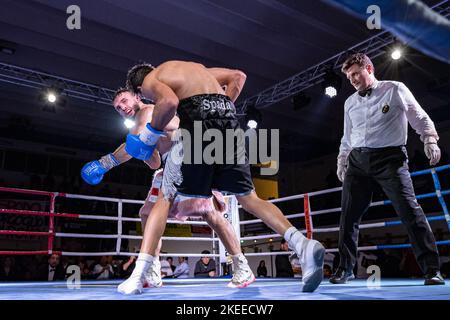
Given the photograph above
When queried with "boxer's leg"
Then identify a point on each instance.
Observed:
(155, 226)
(225, 231)
(144, 213)
(266, 211)
(147, 264)
(236, 179)
(242, 275)
(153, 274)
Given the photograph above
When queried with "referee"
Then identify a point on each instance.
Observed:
(373, 151)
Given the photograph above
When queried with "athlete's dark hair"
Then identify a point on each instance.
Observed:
(136, 76)
(119, 92)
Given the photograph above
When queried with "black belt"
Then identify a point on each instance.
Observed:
(365, 149)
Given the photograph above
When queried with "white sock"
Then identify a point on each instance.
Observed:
(143, 262)
(292, 236)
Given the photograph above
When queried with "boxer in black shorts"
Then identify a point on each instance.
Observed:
(213, 111)
(197, 93)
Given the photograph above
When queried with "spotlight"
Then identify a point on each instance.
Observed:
(396, 54)
(51, 97)
(331, 84)
(331, 91)
(129, 123)
(253, 117)
(252, 124)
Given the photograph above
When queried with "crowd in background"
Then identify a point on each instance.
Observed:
(58, 268)
(393, 263)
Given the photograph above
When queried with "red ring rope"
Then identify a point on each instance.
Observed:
(308, 221)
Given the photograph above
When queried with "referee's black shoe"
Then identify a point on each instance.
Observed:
(433, 278)
(341, 276)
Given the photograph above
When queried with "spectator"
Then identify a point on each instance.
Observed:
(282, 263)
(262, 270)
(327, 271)
(8, 270)
(103, 270)
(127, 267)
(166, 270)
(116, 263)
(365, 260)
(170, 261)
(84, 269)
(65, 262)
(52, 270)
(182, 270)
(205, 267)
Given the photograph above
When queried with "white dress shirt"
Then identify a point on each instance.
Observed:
(381, 118)
(182, 270)
(165, 268)
(103, 274)
(51, 273)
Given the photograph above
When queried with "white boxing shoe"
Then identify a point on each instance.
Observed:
(311, 254)
(242, 276)
(147, 270)
(153, 275)
(133, 285)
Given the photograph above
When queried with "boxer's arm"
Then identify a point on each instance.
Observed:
(146, 115)
(122, 156)
(174, 124)
(166, 101)
(234, 81)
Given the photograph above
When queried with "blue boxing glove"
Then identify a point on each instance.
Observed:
(93, 172)
(141, 146)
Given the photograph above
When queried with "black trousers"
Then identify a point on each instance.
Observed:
(388, 167)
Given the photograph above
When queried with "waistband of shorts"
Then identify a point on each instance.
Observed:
(211, 96)
(365, 149)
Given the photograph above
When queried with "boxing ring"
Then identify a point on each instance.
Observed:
(215, 289)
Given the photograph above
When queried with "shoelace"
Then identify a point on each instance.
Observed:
(240, 273)
(153, 270)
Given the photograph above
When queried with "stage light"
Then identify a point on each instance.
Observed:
(396, 54)
(331, 91)
(252, 124)
(51, 97)
(253, 117)
(129, 123)
(331, 83)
